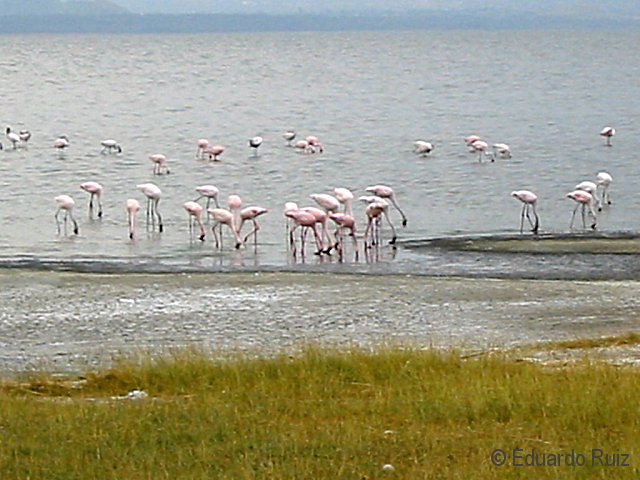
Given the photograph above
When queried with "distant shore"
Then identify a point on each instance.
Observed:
(243, 23)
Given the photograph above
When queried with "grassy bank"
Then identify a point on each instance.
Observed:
(323, 414)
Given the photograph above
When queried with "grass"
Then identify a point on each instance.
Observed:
(321, 414)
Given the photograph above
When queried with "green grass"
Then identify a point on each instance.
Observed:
(321, 414)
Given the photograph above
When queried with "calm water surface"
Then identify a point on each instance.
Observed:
(368, 96)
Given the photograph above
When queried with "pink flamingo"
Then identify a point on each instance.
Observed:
(529, 201)
(479, 147)
(208, 191)
(501, 150)
(255, 143)
(344, 222)
(159, 162)
(422, 147)
(289, 136)
(95, 189)
(306, 220)
(202, 144)
(322, 218)
(288, 224)
(374, 212)
(132, 206)
(583, 199)
(214, 151)
(383, 191)
(303, 146)
(195, 213)
(234, 202)
(250, 214)
(313, 141)
(592, 188)
(604, 179)
(470, 139)
(66, 203)
(153, 194)
(345, 197)
(329, 203)
(608, 132)
(221, 217)
(110, 146)
(61, 143)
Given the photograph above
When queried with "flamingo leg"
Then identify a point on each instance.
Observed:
(573, 217)
(57, 220)
(522, 214)
(156, 201)
(393, 229)
(99, 206)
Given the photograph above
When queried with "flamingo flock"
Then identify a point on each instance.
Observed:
(330, 218)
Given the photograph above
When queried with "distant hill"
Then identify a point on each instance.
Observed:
(85, 20)
(59, 7)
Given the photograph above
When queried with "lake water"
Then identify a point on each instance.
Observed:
(367, 95)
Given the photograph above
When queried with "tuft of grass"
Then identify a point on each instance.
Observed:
(320, 414)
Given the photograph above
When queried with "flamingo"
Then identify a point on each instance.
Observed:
(61, 142)
(159, 162)
(203, 144)
(194, 210)
(221, 217)
(470, 139)
(214, 151)
(328, 202)
(153, 194)
(304, 147)
(95, 189)
(422, 147)
(110, 146)
(255, 143)
(132, 206)
(604, 179)
(313, 141)
(322, 217)
(345, 222)
(208, 191)
(583, 199)
(386, 192)
(250, 214)
(306, 220)
(529, 201)
(345, 197)
(479, 147)
(501, 150)
(608, 132)
(234, 202)
(289, 136)
(66, 203)
(592, 188)
(25, 135)
(13, 137)
(288, 207)
(374, 212)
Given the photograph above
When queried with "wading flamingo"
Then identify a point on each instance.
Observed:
(255, 143)
(250, 214)
(592, 188)
(608, 132)
(322, 217)
(25, 135)
(344, 222)
(209, 192)
(374, 212)
(202, 144)
(195, 213)
(214, 151)
(95, 189)
(422, 147)
(110, 146)
(289, 136)
(585, 200)
(13, 137)
(66, 203)
(501, 150)
(307, 221)
(153, 194)
(159, 163)
(61, 142)
(132, 206)
(329, 203)
(479, 147)
(221, 217)
(386, 192)
(345, 197)
(604, 179)
(470, 139)
(529, 201)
